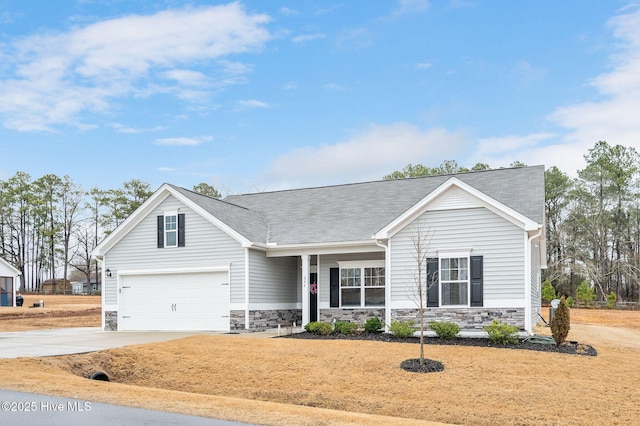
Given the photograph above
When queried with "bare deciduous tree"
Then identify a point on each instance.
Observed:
(423, 281)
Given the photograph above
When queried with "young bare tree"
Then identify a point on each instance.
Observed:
(423, 279)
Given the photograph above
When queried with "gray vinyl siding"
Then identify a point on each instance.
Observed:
(273, 279)
(331, 261)
(205, 246)
(110, 289)
(500, 242)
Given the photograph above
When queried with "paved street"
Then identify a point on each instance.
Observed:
(28, 409)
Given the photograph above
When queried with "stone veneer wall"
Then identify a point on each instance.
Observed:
(356, 315)
(265, 319)
(236, 320)
(468, 319)
(111, 321)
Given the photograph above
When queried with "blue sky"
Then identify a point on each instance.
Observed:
(264, 95)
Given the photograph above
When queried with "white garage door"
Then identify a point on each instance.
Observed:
(174, 302)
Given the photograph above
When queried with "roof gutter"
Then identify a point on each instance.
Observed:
(274, 250)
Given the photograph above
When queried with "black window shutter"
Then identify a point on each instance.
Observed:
(433, 282)
(334, 287)
(181, 230)
(476, 281)
(160, 231)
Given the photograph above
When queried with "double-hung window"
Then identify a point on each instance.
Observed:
(454, 280)
(362, 284)
(171, 230)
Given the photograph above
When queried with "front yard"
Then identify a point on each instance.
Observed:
(282, 381)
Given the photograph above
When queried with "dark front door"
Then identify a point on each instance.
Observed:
(313, 297)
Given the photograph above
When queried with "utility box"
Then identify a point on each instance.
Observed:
(552, 308)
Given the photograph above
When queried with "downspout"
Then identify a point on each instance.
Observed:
(100, 263)
(387, 280)
(527, 291)
(246, 289)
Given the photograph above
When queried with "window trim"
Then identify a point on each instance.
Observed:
(362, 265)
(174, 231)
(454, 254)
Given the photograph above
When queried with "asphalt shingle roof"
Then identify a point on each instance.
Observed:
(355, 212)
(250, 224)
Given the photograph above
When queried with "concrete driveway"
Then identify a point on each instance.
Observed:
(65, 341)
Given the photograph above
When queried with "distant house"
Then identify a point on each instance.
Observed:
(59, 286)
(77, 287)
(84, 287)
(184, 261)
(9, 283)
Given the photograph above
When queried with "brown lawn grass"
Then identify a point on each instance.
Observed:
(60, 311)
(289, 381)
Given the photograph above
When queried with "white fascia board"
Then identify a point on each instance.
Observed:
(323, 248)
(421, 206)
(154, 201)
(12, 269)
(169, 271)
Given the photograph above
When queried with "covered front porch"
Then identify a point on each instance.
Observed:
(344, 286)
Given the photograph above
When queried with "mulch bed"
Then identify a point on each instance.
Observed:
(571, 348)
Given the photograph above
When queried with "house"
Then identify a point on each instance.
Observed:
(77, 287)
(9, 283)
(85, 287)
(58, 286)
(185, 261)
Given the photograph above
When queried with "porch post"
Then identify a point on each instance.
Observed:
(306, 270)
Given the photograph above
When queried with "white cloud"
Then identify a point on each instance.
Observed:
(614, 117)
(334, 87)
(186, 77)
(527, 74)
(356, 38)
(424, 65)
(120, 128)
(182, 141)
(308, 37)
(502, 151)
(57, 77)
(291, 85)
(407, 7)
(369, 155)
(252, 103)
(288, 11)
(509, 144)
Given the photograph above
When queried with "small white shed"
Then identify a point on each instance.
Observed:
(9, 281)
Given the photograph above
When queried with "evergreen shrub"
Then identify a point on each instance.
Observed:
(560, 324)
(502, 332)
(402, 329)
(345, 327)
(445, 330)
(372, 325)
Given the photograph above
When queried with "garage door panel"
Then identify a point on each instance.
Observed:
(176, 302)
